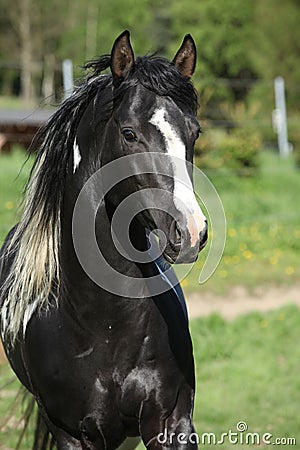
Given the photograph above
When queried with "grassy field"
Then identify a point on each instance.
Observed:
(247, 370)
(13, 176)
(263, 228)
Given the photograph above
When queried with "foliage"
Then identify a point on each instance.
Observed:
(223, 29)
(275, 49)
(236, 39)
(237, 150)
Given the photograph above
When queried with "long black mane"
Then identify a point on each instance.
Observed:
(155, 73)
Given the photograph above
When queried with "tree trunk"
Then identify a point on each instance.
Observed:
(26, 50)
(91, 30)
(48, 79)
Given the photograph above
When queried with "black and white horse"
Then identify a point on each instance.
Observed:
(105, 364)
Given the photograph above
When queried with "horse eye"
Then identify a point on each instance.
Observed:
(129, 135)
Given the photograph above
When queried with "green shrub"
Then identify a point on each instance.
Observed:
(237, 151)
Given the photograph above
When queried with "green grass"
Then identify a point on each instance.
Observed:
(247, 370)
(14, 103)
(13, 176)
(263, 228)
(10, 410)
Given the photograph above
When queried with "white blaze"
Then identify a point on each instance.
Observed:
(184, 197)
(76, 156)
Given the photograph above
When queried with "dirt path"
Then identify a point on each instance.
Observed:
(240, 301)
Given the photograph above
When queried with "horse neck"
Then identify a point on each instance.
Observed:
(76, 282)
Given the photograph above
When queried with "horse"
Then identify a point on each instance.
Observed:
(108, 362)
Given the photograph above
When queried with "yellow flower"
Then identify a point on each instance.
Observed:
(231, 232)
(273, 260)
(289, 270)
(235, 259)
(247, 254)
(223, 273)
(9, 205)
(264, 324)
(297, 233)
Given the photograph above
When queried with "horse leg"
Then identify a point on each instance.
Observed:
(66, 442)
(175, 432)
(62, 439)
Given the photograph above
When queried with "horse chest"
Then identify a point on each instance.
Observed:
(114, 372)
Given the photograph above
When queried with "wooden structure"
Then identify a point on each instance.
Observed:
(19, 127)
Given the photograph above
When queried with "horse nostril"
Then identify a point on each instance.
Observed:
(203, 236)
(175, 234)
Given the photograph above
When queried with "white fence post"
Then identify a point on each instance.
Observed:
(68, 81)
(279, 117)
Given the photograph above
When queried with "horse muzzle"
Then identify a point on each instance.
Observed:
(179, 248)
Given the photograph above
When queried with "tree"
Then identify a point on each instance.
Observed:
(276, 44)
(223, 32)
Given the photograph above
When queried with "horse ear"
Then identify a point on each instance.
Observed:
(122, 58)
(185, 58)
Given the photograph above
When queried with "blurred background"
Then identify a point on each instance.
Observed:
(248, 80)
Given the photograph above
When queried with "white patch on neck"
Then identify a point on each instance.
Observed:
(3, 320)
(184, 197)
(76, 156)
(29, 311)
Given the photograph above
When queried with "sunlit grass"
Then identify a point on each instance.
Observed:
(263, 228)
(13, 176)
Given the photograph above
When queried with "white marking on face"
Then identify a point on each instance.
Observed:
(184, 197)
(29, 311)
(76, 156)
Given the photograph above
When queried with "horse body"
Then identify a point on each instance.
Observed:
(101, 366)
